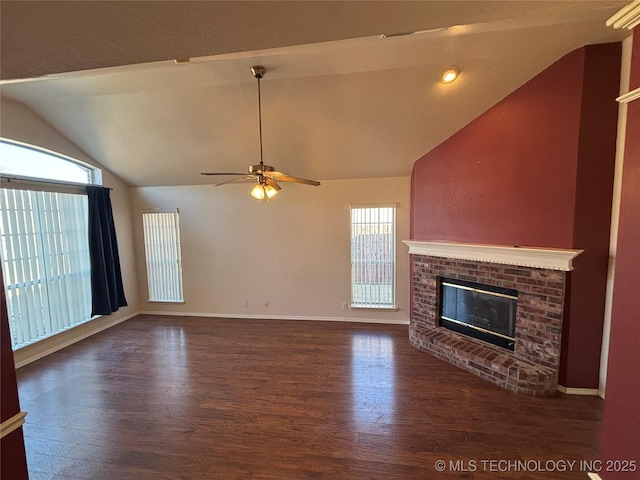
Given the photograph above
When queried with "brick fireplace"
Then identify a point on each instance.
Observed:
(538, 275)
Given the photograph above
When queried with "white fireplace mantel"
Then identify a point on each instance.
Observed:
(549, 258)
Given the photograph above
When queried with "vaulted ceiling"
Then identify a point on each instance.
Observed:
(338, 101)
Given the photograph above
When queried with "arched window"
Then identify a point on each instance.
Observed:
(44, 247)
(25, 161)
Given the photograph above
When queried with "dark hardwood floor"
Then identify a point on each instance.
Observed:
(199, 398)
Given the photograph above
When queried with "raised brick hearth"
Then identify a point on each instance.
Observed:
(532, 367)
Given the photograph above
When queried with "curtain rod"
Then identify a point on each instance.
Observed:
(49, 182)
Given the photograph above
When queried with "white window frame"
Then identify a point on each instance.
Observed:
(372, 295)
(163, 255)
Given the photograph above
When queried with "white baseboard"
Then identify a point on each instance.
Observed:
(579, 391)
(390, 321)
(38, 350)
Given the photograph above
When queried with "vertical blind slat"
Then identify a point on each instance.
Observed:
(51, 249)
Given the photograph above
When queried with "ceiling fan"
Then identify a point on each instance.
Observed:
(266, 176)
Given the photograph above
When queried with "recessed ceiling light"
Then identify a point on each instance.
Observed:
(450, 74)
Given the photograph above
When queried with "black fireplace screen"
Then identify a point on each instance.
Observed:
(481, 311)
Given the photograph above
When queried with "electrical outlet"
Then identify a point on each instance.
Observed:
(245, 303)
(266, 304)
(344, 306)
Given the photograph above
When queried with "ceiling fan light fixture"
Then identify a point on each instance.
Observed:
(258, 192)
(450, 74)
(262, 192)
(270, 191)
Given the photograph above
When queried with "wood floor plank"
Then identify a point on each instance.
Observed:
(196, 398)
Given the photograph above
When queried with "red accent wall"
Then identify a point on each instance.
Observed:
(586, 289)
(509, 177)
(537, 170)
(621, 422)
(13, 463)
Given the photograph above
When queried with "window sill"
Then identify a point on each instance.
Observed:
(385, 309)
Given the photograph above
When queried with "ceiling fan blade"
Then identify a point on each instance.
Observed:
(220, 173)
(283, 177)
(273, 183)
(247, 178)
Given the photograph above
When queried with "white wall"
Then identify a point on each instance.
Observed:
(293, 251)
(18, 122)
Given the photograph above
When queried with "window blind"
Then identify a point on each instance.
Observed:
(45, 262)
(163, 255)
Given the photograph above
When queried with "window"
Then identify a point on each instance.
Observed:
(26, 161)
(44, 244)
(162, 251)
(373, 255)
(45, 262)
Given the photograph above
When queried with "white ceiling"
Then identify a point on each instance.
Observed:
(338, 101)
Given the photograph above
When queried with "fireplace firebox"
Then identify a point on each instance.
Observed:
(485, 312)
